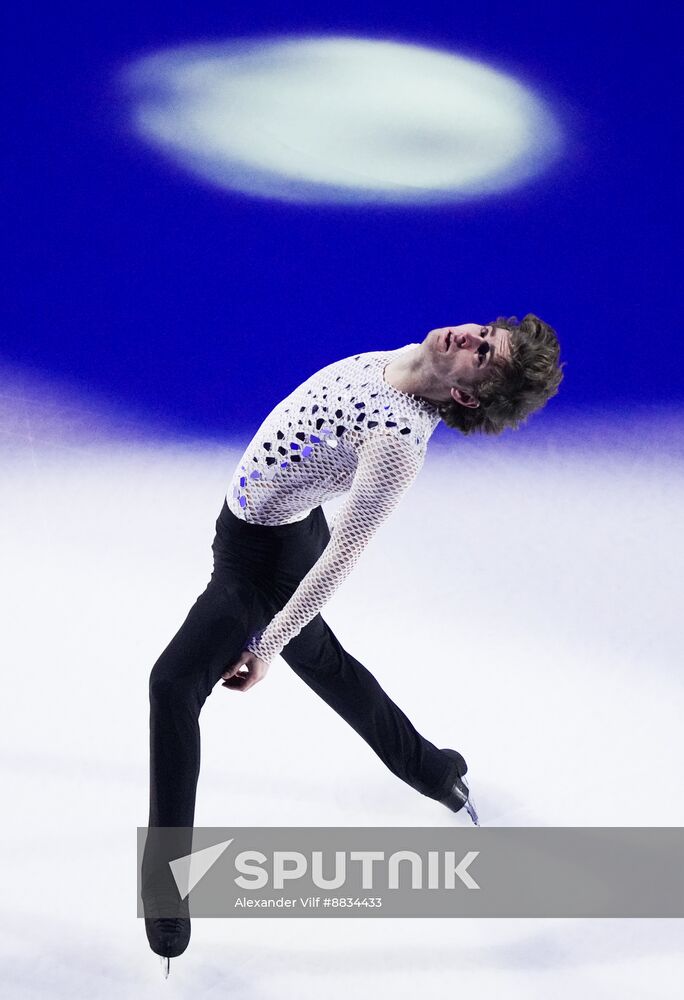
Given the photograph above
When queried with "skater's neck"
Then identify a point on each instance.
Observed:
(409, 373)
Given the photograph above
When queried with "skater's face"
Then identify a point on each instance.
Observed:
(461, 355)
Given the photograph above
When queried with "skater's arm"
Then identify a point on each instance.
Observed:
(387, 467)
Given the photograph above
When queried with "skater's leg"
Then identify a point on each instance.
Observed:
(354, 693)
(215, 631)
(210, 639)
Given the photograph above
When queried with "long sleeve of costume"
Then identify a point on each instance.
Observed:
(387, 466)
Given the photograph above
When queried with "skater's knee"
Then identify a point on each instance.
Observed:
(169, 686)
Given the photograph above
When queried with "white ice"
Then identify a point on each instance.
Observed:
(522, 605)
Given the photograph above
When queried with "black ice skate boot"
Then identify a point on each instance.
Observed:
(458, 795)
(167, 923)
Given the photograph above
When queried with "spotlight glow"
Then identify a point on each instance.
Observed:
(341, 119)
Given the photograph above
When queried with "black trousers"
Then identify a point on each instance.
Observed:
(256, 570)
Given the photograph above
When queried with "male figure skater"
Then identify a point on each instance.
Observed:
(359, 426)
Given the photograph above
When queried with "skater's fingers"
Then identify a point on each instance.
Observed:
(236, 682)
(246, 659)
(257, 674)
(231, 671)
(245, 673)
(243, 682)
(249, 678)
(239, 685)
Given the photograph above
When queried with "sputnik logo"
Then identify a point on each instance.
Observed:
(188, 870)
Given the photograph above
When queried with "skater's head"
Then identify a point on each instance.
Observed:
(494, 376)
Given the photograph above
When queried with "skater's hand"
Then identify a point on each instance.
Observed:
(243, 681)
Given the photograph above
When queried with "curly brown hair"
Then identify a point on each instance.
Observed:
(514, 387)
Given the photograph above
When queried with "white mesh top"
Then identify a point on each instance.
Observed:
(344, 430)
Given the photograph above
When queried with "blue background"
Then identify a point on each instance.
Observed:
(204, 307)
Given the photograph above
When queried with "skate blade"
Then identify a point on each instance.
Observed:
(469, 806)
(165, 964)
(472, 812)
